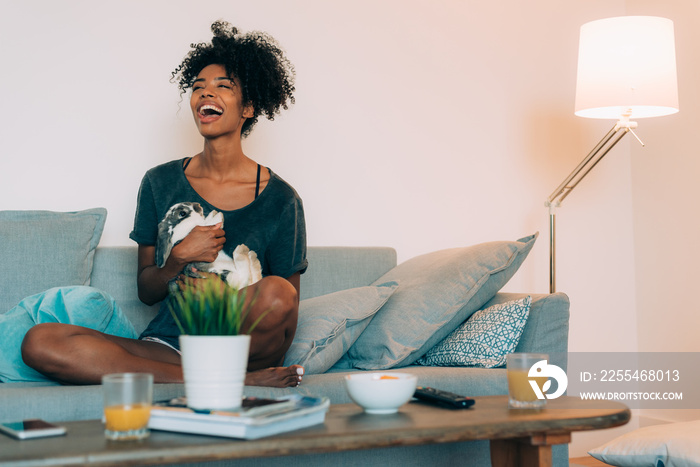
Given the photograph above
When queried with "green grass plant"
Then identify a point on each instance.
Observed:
(210, 307)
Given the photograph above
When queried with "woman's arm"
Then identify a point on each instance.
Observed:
(203, 243)
(153, 281)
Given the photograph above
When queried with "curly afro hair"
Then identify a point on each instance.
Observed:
(266, 75)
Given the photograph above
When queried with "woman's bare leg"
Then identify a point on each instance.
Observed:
(77, 355)
(277, 299)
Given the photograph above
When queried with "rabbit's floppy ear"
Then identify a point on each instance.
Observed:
(164, 243)
(166, 228)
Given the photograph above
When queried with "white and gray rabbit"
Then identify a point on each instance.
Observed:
(240, 271)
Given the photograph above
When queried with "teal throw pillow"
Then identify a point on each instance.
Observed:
(437, 292)
(45, 249)
(484, 339)
(328, 325)
(77, 305)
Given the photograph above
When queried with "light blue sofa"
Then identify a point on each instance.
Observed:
(331, 269)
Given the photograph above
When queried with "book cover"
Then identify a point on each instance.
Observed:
(254, 420)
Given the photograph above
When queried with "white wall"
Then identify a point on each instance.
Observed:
(666, 191)
(418, 124)
(665, 201)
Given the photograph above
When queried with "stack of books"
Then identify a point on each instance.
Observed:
(255, 419)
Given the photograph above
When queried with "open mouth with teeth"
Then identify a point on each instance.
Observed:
(210, 110)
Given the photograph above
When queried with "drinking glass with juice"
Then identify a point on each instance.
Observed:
(520, 392)
(127, 409)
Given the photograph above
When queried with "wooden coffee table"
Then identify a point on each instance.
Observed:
(517, 437)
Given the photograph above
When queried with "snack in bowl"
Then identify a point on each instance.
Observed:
(380, 393)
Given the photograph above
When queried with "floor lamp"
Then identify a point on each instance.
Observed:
(626, 69)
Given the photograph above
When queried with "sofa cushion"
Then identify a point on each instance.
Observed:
(47, 249)
(484, 339)
(657, 445)
(328, 325)
(437, 292)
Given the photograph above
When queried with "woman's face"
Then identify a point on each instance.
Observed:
(216, 103)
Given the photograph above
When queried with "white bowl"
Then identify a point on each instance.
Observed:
(380, 393)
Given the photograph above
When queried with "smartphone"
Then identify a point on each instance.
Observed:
(28, 429)
(250, 406)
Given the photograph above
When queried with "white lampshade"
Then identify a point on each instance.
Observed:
(627, 64)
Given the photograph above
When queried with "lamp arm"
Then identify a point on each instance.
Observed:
(621, 128)
(586, 165)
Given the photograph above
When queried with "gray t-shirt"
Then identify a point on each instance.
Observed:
(273, 226)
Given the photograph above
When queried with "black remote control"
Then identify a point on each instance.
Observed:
(443, 398)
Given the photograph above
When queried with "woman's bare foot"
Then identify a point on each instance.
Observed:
(278, 377)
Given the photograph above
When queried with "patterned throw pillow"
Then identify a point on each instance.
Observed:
(484, 339)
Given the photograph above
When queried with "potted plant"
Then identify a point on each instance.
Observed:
(211, 316)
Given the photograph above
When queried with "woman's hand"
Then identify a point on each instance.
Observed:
(203, 244)
(196, 282)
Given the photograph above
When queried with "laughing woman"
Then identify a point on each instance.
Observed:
(233, 80)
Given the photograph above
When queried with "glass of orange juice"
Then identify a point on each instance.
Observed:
(521, 394)
(127, 408)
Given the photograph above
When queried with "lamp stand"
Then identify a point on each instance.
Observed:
(552, 247)
(621, 128)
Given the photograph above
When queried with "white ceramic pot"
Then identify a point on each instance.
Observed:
(214, 368)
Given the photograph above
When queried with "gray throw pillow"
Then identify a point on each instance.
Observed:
(437, 292)
(45, 249)
(667, 444)
(328, 325)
